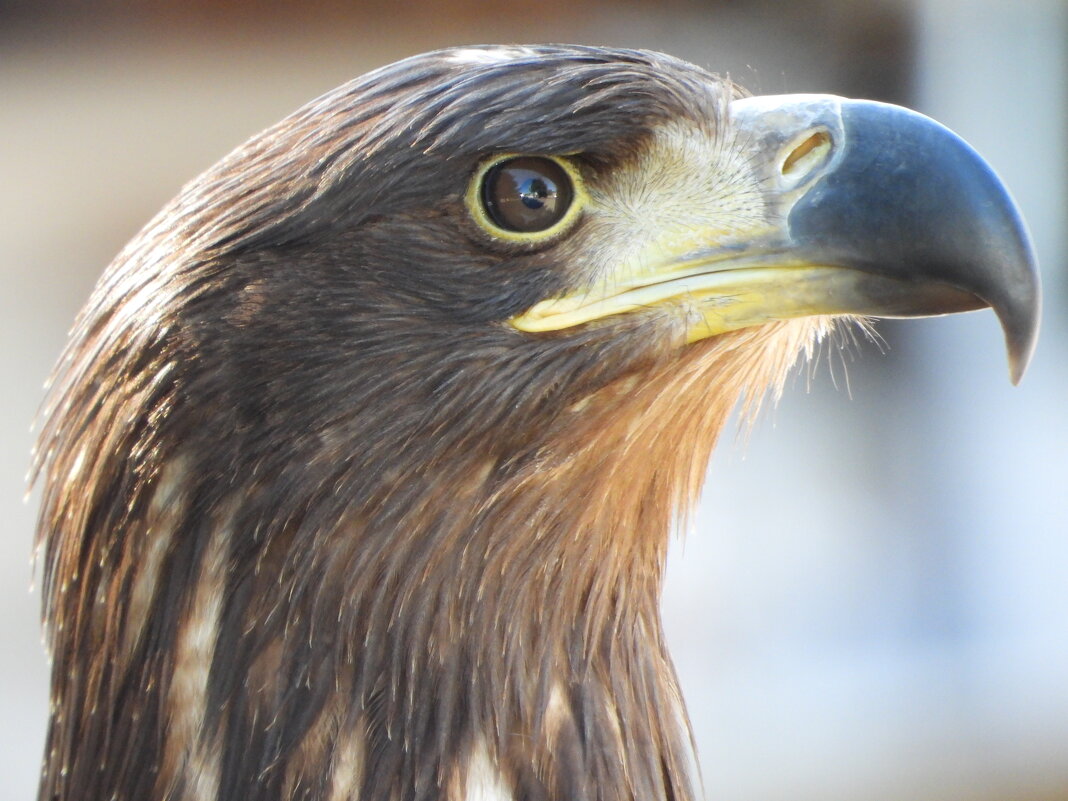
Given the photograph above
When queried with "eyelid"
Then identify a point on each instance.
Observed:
(473, 200)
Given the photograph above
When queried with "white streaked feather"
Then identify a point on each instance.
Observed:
(347, 772)
(187, 744)
(484, 780)
(165, 513)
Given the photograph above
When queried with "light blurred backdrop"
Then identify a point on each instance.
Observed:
(873, 601)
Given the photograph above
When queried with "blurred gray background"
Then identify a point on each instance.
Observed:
(873, 601)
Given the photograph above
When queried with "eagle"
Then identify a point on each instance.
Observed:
(360, 465)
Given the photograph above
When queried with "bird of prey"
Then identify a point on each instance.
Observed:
(359, 468)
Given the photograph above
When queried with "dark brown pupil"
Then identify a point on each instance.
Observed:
(526, 194)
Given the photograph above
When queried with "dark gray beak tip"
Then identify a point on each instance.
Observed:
(1007, 277)
(1021, 335)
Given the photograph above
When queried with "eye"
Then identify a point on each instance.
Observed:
(526, 198)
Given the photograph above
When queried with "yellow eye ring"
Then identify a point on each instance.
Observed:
(526, 199)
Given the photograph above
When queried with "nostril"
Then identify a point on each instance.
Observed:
(812, 152)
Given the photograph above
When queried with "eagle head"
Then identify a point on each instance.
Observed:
(360, 464)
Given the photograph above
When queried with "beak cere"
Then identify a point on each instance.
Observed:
(872, 209)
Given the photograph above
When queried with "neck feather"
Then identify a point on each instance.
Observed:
(492, 632)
